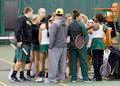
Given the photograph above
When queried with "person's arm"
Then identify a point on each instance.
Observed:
(105, 28)
(40, 36)
(19, 29)
(84, 33)
(69, 29)
(52, 35)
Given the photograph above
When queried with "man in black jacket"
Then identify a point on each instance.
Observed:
(23, 34)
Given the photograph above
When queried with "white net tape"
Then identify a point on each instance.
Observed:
(5, 38)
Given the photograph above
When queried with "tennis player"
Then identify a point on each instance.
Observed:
(74, 29)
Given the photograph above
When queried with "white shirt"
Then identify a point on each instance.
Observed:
(45, 39)
(98, 33)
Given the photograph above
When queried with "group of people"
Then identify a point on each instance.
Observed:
(50, 44)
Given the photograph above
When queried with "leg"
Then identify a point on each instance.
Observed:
(78, 68)
(18, 56)
(83, 63)
(73, 64)
(42, 66)
(54, 54)
(89, 60)
(97, 62)
(37, 62)
(27, 59)
(62, 64)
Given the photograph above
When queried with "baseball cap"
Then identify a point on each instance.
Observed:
(59, 11)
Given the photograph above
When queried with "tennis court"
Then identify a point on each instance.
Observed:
(6, 58)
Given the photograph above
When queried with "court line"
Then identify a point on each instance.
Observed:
(2, 83)
(8, 62)
(62, 84)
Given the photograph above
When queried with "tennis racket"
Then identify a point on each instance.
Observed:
(14, 42)
(79, 41)
(105, 69)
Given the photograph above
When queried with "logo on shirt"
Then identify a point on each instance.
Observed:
(29, 23)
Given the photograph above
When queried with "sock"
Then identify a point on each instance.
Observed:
(14, 73)
(21, 74)
(43, 73)
(46, 75)
(40, 74)
(28, 72)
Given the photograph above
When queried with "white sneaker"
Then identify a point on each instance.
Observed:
(46, 80)
(10, 73)
(87, 81)
(74, 81)
(39, 79)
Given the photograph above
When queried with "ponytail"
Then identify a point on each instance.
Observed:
(75, 14)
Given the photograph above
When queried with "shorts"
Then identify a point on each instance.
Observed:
(21, 56)
(44, 48)
(35, 47)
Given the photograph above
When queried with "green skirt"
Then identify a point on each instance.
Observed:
(44, 48)
(97, 43)
(35, 47)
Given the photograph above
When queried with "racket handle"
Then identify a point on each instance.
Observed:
(13, 46)
(24, 51)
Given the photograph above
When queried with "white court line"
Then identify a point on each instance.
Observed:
(8, 62)
(2, 83)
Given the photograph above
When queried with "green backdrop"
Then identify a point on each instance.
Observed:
(86, 6)
(2, 17)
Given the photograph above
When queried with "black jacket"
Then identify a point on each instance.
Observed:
(23, 31)
(35, 34)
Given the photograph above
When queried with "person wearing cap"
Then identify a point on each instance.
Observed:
(57, 48)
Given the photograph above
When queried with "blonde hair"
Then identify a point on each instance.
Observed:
(85, 18)
(35, 17)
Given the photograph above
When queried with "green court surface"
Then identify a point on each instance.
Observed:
(6, 58)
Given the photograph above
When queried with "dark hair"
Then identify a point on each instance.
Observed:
(76, 13)
(27, 9)
(100, 18)
(67, 15)
(59, 15)
(48, 17)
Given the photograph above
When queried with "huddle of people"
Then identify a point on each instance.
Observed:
(50, 44)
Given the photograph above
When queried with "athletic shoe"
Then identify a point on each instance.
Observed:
(46, 80)
(39, 79)
(24, 79)
(10, 73)
(87, 81)
(53, 81)
(30, 76)
(73, 81)
(14, 79)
